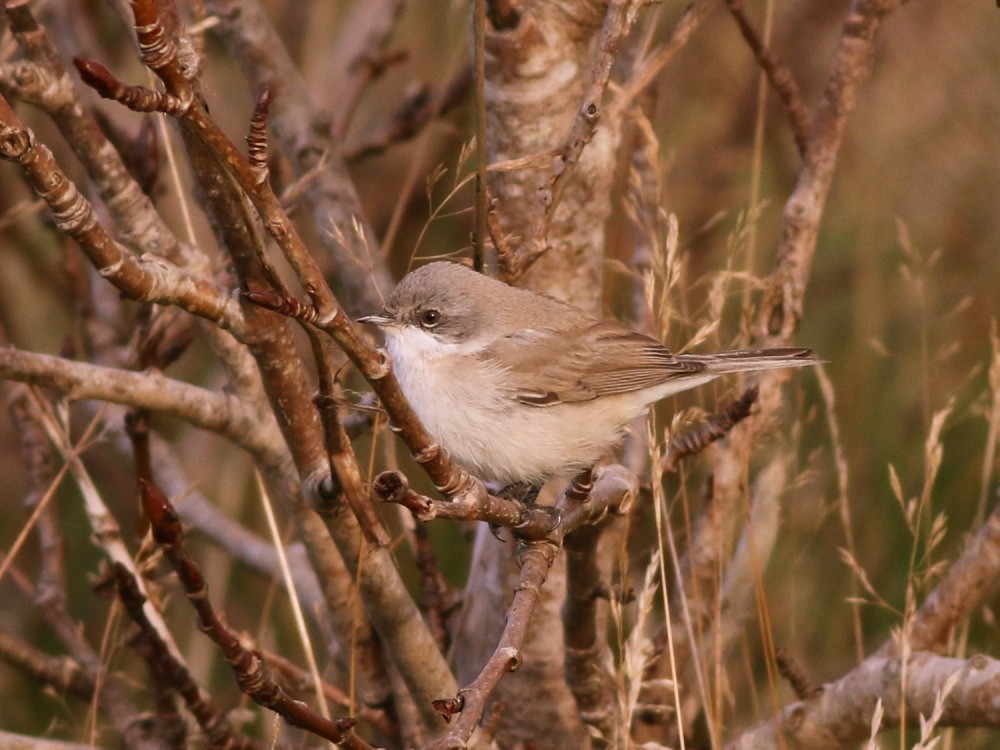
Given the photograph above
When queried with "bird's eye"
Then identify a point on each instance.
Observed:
(430, 318)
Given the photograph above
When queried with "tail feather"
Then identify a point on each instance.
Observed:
(744, 360)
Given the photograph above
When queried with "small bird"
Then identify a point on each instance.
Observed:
(520, 387)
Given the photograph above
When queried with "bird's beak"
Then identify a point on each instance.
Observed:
(380, 319)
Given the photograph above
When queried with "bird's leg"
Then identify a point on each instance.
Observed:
(523, 492)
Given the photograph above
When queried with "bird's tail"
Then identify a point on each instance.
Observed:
(744, 360)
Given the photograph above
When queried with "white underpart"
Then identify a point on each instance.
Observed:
(470, 411)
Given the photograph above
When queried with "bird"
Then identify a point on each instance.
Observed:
(519, 387)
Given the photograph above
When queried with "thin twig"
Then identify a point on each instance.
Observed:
(617, 21)
(61, 673)
(778, 74)
(482, 158)
(365, 55)
(646, 73)
(792, 671)
(210, 717)
(416, 111)
(249, 669)
(717, 426)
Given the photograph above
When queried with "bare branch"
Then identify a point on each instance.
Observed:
(258, 49)
(680, 35)
(779, 76)
(413, 114)
(840, 715)
(781, 308)
(251, 673)
(139, 223)
(535, 559)
(210, 717)
(717, 427)
(147, 280)
(968, 580)
(63, 674)
(152, 390)
(617, 22)
(587, 653)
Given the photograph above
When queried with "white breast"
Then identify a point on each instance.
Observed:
(464, 402)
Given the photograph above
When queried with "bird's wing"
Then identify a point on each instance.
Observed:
(548, 367)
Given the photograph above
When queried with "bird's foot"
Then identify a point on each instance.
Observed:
(522, 491)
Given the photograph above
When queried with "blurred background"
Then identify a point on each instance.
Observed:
(901, 303)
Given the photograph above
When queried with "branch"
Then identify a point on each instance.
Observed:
(131, 209)
(416, 110)
(381, 719)
(249, 669)
(323, 581)
(613, 492)
(680, 35)
(172, 672)
(587, 654)
(357, 57)
(61, 673)
(227, 180)
(838, 712)
(257, 47)
(152, 280)
(717, 426)
(967, 582)
(779, 76)
(13, 741)
(781, 307)
(330, 317)
(617, 22)
(438, 599)
(840, 715)
(535, 559)
(219, 413)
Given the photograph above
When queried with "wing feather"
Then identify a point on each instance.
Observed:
(548, 367)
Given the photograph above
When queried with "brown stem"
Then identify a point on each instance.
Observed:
(249, 669)
(535, 558)
(210, 717)
(779, 76)
(717, 426)
(616, 26)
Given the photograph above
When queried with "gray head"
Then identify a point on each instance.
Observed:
(459, 306)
